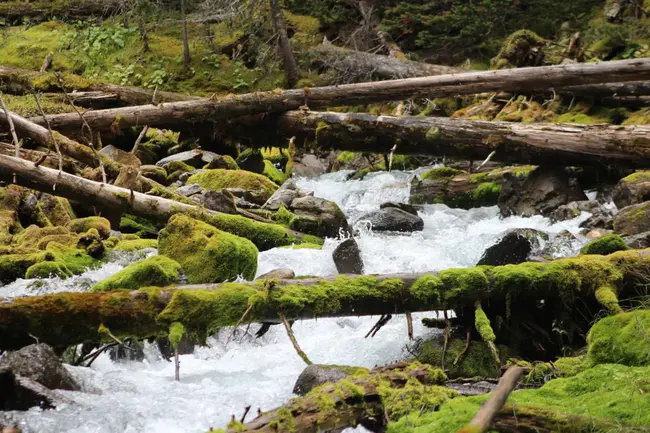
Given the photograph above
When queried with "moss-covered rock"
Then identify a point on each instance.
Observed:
(605, 245)
(33, 236)
(155, 271)
(57, 209)
(632, 220)
(9, 204)
(220, 179)
(251, 160)
(135, 244)
(522, 48)
(622, 339)
(14, 266)
(272, 172)
(206, 254)
(47, 270)
(82, 225)
(226, 162)
(632, 189)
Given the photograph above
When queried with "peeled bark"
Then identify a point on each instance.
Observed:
(524, 143)
(112, 197)
(514, 80)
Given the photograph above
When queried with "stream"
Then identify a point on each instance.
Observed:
(220, 380)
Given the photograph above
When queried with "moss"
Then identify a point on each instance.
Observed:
(14, 266)
(623, 339)
(303, 246)
(57, 210)
(47, 270)
(591, 114)
(176, 332)
(346, 157)
(522, 48)
(427, 289)
(440, 173)
(570, 365)
(75, 260)
(206, 254)
(641, 117)
(482, 325)
(155, 271)
(219, 179)
(9, 223)
(414, 397)
(605, 245)
(276, 155)
(173, 166)
(135, 244)
(33, 236)
(82, 225)
(271, 171)
(637, 176)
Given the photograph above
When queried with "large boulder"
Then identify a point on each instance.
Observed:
(515, 246)
(155, 271)
(220, 201)
(21, 393)
(310, 166)
(632, 189)
(403, 206)
(632, 220)
(82, 225)
(278, 274)
(347, 257)
(544, 190)
(318, 374)
(39, 363)
(196, 158)
(251, 160)
(331, 217)
(393, 219)
(639, 241)
(206, 254)
(219, 179)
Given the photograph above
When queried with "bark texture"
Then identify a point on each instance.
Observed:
(288, 60)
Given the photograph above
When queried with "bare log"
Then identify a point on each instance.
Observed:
(69, 165)
(263, 235)
(565, 144)
(512, 80)
(70, 318)
(352, 64)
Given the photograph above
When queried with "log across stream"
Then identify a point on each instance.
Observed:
(221, 380)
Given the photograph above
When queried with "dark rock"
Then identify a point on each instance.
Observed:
(185, 347)
(196, 158)
(184, 176)
(515, 246)
(632, 189)
(121, 156)
(310, 166)
(21, 393)
(189, 190)
(27, 209)
(639, 241)
(155, 173)
(283, 196)
(280, 274)
(132, 350)
(39, 363)
(598, 221)
(632, 220)
(220, 161)
(393, 219)
(544, 190)
(251, 160)
(257, 197)
(562, 243)
(403, 206)
(332, 219)
(315, 375)
(243, 204)
(347, 257)
(575, 208)
(220, 201)
(93, 244)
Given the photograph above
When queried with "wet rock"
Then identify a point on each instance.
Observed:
(251, 160)
(189, 190)
(632, 189)
(243, 204)
(515, 246)
(543, 191)
(601, 216)
(287, 193)
(393, 219)
(184, 176)
(632, 220)
(332, 219)
(315, 375)
(92, 243)
(28, 210)
(639, 241)
(310, 166)
(560, 245)
(280, 274)
(196, 158)
(347, 257)
(121, 156)
(21, 393)
(39, 363)
(403, 206)
(256, 197)
(600, 221)
(132, 350)
(220, 201)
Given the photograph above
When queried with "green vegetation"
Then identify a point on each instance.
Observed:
(622, 339)
(154, 271)
(605, 245)
(220, 179)
(82, 225)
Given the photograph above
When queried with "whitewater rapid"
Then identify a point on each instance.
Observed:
(220, 380)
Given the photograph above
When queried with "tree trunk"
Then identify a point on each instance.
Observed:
(513, 80)
(354, 65)
(560, 144)
(510, 292)
(288, 60)
(263, 235)
(186, 44)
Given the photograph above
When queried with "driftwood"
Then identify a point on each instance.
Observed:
(564, 144)
(512, 80)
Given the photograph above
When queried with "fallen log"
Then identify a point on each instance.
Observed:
(513, 80)
(106, 196)
(69, 165)
(525, 143)
(354, 65)
(17, 81)
(575, 289)
(16, 10)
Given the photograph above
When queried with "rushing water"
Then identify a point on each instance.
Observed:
(220, 380)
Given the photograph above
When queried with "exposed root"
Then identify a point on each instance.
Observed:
(292, 337)
(232, 334)
(465, 349)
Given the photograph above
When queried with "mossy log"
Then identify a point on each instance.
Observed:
(558, 144)
(16, 10)
(87, 92)
(574, 290)
(263, 235)
(370, 399)
(514, 80)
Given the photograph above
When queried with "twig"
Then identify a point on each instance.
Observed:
(153, 97)
(49, 128)
(486, 160)
(483, 418)
(140, 137)
(292, 337)
(241, 319)
(409, 325)
(85, 125)
(93, 356)
(390, 157)
(461, 354)
(243, 417)
(177, 366)
(383, 319)
(12, 129)
(446, 340)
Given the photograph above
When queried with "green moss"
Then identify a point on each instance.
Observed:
(14, 266)
(427, 289)
(482, 325)
(591, 114)
(174, 166)
(623, 339)
(303, 246)
(155, 271)
(176, 332)
(47, 270)
(219, 179)
(641, 117)
(206, 254)
(346, 157)
(135, 244)
(605, 245)
(637, 176)
(75, 260)
(440, 173)
(82, 225)
(414, 397)
(478, 361)
(570, 366)
(34, 236)
(271, 171)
